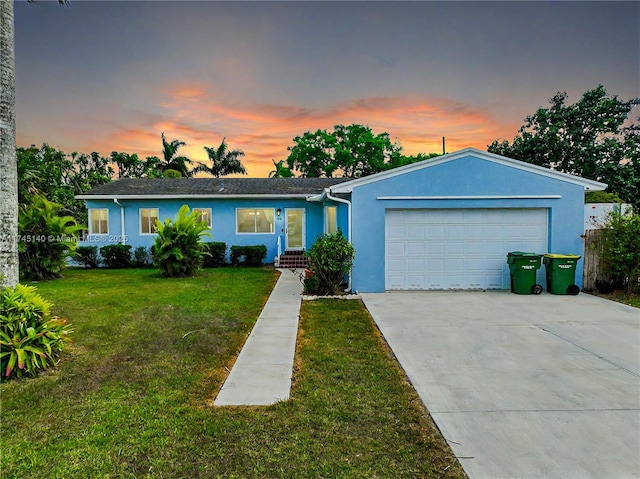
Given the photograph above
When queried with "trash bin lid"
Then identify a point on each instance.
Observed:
(521, 253)
(562, 256)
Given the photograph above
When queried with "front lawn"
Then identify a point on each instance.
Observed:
(132, 396)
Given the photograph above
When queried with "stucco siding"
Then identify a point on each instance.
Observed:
(223, 213)
(465, 177)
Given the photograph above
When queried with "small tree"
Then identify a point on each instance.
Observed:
(178, 248)
(619, 246)
(330, 260)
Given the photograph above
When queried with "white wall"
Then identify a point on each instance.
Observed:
(595, 214)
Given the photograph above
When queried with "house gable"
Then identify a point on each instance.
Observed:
(467, 154)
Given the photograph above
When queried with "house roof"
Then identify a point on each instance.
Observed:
(348, 186)
(133, 188)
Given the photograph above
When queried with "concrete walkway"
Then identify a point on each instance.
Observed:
(262, 373)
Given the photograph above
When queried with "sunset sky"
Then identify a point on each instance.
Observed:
(104, 76)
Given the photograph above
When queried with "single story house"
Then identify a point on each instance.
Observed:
(443, 223)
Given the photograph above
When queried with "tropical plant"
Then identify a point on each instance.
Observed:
(281, 170)
(87, 256)
(330, 259)
(248, 255)
(178, 248)
(170, 158)
(30, 338)
(116, 256)
(46, 239)
(223, 161)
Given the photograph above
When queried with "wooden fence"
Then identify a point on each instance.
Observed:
(593, 268)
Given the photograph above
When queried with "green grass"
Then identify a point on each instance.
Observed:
(132, 396)
(631, 299)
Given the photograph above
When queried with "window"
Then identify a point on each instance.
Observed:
(204, 215)
(99, 221)
(148, 217)
(254, 220)
(331, 218)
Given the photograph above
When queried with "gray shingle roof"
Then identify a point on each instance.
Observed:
(178, 187)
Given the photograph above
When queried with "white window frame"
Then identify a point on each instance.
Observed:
(208, 211)
(91, 232)
(326, 219)
(150, 225)
(273, 225)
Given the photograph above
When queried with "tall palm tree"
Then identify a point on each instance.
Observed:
(223, 161)
(8, 162)
(171, 160)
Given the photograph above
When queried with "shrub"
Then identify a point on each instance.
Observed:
(30, 338)
(619, 246)
(116, 255)
(216, 254)
(46, 239)
(330, 259)
(248, 255)
(171, 174)
(88, 256)
(601, 197)
(178, 249)
(141, 257)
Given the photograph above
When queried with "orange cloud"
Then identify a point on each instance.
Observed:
(199, 116)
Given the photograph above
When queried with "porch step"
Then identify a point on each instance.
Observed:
(292, 260)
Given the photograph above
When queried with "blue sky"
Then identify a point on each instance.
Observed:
(103, 76)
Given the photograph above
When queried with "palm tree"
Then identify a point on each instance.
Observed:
(281, 170)
(171, 161)
(223, 161)
(8, 162)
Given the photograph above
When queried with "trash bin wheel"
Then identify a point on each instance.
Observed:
(536, 289)
(573, 289)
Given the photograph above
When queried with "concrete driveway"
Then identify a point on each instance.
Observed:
(523, 386)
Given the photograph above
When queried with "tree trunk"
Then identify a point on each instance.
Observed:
(8, 162)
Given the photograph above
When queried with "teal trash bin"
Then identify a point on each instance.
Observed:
(523, 268)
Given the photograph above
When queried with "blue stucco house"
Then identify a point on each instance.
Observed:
(444, 223)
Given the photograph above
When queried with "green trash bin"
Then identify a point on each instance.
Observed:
(561, 273)
(523, 268)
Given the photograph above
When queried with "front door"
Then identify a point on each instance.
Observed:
(294, 228)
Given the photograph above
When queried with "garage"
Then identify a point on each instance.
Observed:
(447, 223)
(437, 249)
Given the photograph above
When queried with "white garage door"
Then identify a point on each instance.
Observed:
(458, 248)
